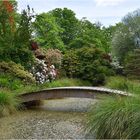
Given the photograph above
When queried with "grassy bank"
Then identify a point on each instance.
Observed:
(115, 119)
(9, 103)
(123, 83)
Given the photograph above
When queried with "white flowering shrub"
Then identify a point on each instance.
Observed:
(116, 66)
(43, 72)
(115, 63)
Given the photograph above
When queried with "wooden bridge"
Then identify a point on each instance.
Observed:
(76, 92)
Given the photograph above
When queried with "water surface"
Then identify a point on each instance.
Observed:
(56, 119)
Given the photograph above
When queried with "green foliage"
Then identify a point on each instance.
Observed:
(64, 82)
(47, 32)
(115, 118)
(9, 82)
(9, 103)
(87, 64)
(90, 34)
(122, 43)
(117, 82)
(123, 83)
(60, 27)
(66, 19)
(17, 55)
(93, 66)
(127, 38)
(22, 38)
(67, 83)
(109, 31)
(7, 22)
(16, 70)
(132, 65)
(70, 63)
(23, 33)
(6, 29)
(15, 41)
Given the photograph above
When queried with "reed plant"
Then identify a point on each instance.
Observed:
(9, 103)
(115, 118)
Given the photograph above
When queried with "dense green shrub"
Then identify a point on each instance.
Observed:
(16, 70)
(8, 103)
(70, 64)
(17, 55)
(10, 82)
(87, 63)
(115, 118)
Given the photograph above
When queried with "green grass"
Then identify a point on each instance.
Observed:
(57, 83)
(117, 82)
(124, 84)
(9, 103)
(67, 83)
(115, 118)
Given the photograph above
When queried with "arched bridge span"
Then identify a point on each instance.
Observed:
(76, 92)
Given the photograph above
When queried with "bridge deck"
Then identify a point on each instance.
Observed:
(76, 92)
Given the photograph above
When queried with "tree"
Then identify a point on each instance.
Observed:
(66, 19)
(7, 23)
(7, 11)
(108, 33)
(15, 44)
(132, 65)
(24, 30)
(90, 34)
(47, 32)
(127, 37)
(122, 43)
(132, 20)
(21, 52)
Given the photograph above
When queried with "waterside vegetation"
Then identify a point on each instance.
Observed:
(55, 49)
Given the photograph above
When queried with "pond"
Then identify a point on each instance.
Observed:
(55, 119)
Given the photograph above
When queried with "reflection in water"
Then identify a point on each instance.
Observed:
(69, 104)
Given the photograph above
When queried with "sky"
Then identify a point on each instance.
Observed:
(108, 12)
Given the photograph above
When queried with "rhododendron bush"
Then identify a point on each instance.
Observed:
(43, 72)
